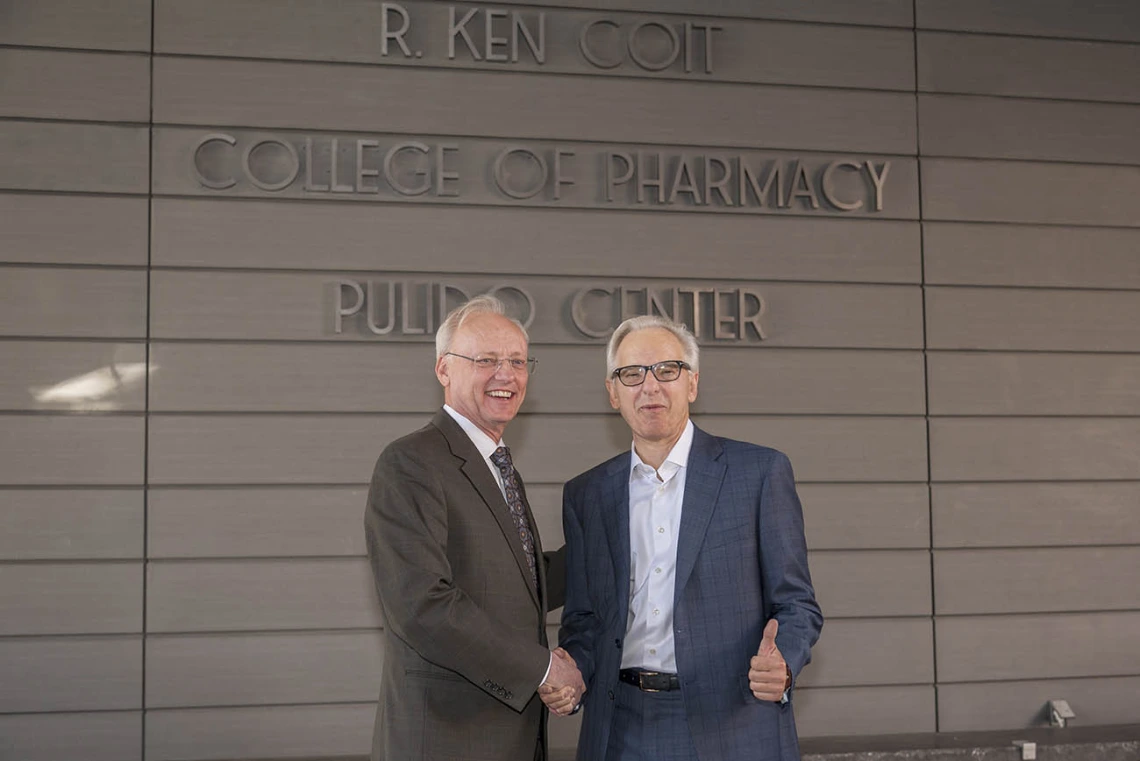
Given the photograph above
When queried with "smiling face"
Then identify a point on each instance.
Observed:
(488, 398)
(656, 412)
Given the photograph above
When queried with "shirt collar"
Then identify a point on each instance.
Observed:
(677, 458)
(484, 443)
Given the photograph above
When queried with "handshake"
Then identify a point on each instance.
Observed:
(563, 688)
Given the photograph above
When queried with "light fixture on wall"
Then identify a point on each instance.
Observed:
(1059, 712)
(93, 390)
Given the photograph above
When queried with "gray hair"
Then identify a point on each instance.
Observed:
(484, 304)
(690, 352)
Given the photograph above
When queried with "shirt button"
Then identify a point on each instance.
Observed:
(660, 529)
(657, 570)
(656, 611)
(653, 651)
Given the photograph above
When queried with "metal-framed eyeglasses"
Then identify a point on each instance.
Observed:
(526, 366)
(634, 375)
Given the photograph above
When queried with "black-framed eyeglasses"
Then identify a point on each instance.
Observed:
(634, 375)
(492, 364)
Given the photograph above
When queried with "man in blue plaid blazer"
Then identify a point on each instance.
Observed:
(689, 609)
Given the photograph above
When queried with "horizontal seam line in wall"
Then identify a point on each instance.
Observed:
(1035, 160)
(15, 485)
(858, 686)
(142, 195)
(600, 413)
(71, 192)
(729, 212)
(428, 412)
(71, 712)
(237, 706)
(73, 266)
(1134, 104)
(591, 346)
(1049, 612)
(139, 413)
(508, 139)
(179, 635)
(1017, 679)
(176, 560)
(1034, 416)
(1031, 98)
(1060, 352)
(1024, 36)
(141, 53)
(254, 632)
(477, 68)
(185, 559)
(1033, 288)
(1030, 482)
(122, 561)
(632, 281)
(1043, 225)
(1038, 161)
(143, 125)
(1040, 352)
(597, 343)
(983, 482)
(63, 339)
(66, 487)
(364, 484)
(1030, 223)
(1047, 547)
(267, 632)
(602, 7)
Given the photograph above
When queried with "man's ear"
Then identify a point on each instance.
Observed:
(442, 372)
(612, 391)
(694, 379)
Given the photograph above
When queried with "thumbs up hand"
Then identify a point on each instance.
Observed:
(768, 674)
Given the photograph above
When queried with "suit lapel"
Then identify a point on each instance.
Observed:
(615, 513)
(476, 470)
(703, 480)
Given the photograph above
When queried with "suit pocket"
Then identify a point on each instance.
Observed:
(741, 536)
(442, 676)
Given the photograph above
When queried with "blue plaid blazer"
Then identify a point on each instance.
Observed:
(741, 560)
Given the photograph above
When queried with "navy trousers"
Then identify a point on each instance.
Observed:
(649, 726)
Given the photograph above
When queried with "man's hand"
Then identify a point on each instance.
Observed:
(768, 671)
(563, 688)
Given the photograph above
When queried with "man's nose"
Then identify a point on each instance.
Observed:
(650, 384)
(503, 370)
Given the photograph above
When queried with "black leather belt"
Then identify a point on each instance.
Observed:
(650, 681)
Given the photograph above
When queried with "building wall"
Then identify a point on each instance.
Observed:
(182, 567)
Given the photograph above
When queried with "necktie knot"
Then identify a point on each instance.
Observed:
(502, 459)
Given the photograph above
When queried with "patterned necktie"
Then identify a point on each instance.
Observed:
(502, 459)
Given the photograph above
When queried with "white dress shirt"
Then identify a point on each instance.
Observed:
(655, 498)
(487, 446)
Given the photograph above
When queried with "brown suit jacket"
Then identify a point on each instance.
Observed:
(465, 636)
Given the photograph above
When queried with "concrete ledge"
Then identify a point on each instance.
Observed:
(1104, 743)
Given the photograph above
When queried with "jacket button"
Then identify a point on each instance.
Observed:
(510, 695)
(610, 694)
(617, 644)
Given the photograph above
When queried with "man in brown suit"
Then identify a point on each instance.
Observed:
(459, 567)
